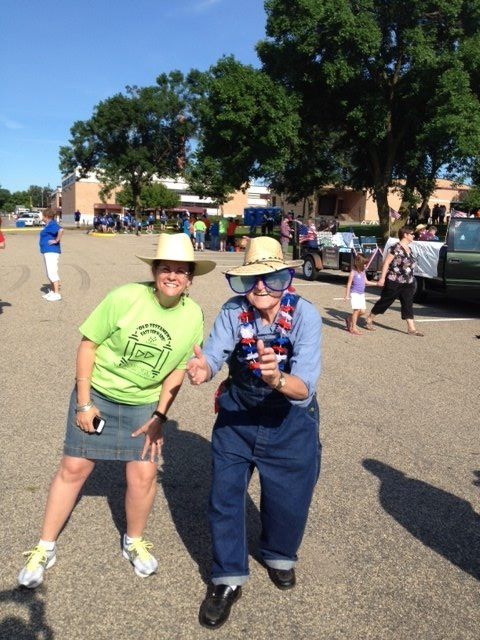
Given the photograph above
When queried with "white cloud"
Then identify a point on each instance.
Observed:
(204, 5)
(10, 124)
(198, 6)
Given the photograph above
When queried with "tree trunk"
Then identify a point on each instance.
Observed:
(381, 198)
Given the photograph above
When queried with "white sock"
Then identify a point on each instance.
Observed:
(47, 544)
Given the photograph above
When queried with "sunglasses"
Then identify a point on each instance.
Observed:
(277, 281)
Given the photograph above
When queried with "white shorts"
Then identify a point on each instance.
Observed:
(358, 301)
(51, 266)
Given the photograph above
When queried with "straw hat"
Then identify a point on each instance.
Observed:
(263, 255)
(178, 247)
(420, 227)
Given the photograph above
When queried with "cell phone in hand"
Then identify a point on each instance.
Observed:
(98, 424)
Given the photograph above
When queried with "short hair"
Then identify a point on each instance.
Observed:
(403, 231)
(49, 213)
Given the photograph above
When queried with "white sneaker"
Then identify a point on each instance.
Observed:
(137, 552)
(45, 295)
(38, 560)
(53, 297)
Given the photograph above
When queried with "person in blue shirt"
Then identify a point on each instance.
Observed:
(214, 236)
(150, 222)
(163, 220)
(186, 226)
(50, 248)
(268, 419)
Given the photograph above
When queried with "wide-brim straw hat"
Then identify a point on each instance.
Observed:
(420, 227)
(178, 247)
(263, 255)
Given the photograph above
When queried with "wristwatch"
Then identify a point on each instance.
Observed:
(281, 383)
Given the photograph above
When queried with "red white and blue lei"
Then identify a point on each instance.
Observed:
(248, 337)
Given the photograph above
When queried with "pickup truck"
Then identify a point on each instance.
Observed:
(452, 268)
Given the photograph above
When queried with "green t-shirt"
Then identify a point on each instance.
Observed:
(140, 342)
(222, 226)
(199, 225)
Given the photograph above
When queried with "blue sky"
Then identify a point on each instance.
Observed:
(61, 57)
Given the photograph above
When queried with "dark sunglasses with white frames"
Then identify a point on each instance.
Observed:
(277, 281)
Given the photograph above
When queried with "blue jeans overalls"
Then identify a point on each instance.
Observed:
(258, 427)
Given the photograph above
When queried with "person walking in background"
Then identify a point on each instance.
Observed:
(186, 225)
(131, 363)
(50, 248)
(163, 220)
(355, 290)
(150, 222)
(214, 236)
(442, 213)
(2, 237)
(199, 229)
(222, 230)
(285, 234)
(231, 229)
(76, 216)
(398, 281)
(268, 419)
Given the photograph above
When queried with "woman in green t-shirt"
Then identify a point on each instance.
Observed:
(131, 363)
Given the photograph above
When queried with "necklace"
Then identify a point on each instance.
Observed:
(248, 336)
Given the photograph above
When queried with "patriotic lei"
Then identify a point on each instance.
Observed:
(248, 338)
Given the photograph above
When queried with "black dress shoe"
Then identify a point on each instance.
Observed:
(215, 609)
(282, 578)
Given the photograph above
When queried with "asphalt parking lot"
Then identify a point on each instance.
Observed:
(392, 547)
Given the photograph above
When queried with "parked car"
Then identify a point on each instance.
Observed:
(30, 219)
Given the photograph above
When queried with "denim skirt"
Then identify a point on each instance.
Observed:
(115, 442)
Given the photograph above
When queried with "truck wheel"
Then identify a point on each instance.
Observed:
(420, 292)
(310, 271)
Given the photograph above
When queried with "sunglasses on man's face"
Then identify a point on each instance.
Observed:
(277, 281)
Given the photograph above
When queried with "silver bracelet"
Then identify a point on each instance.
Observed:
(83, 408)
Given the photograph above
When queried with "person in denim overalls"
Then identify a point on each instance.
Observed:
(268, 419)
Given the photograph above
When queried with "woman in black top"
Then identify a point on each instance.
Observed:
(398, 281)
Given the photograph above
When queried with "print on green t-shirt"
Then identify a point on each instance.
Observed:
(140, 342)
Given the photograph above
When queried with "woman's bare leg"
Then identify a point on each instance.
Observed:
(141, 491)
(64, 490)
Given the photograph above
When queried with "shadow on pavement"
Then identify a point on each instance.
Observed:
(32, 628)
(341, 316)
(108, 479)
(440, 520)
(4, 304)
(185, 478)
(476, 482)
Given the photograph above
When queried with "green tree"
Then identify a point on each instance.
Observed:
(4, 197)
(152, 196)
(246, 128)
(132, 137)
(17, 199)
(471, 199)
(40, 196)
(385, 79)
